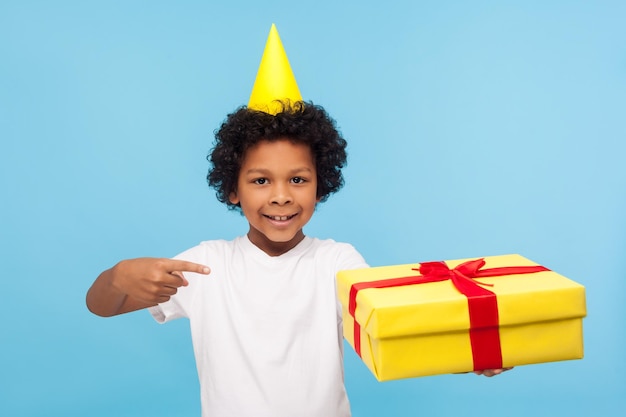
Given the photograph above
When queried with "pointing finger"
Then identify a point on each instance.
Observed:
(186, 266)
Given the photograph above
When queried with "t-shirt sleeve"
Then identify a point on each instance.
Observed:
(349, 258)
(180, 303)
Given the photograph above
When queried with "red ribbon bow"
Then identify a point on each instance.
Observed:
(482, 303)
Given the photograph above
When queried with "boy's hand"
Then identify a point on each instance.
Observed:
(153, 280)
(492, 372)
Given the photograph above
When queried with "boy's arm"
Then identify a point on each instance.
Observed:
(139, 283)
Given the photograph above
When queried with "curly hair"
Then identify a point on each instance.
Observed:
(300, 122)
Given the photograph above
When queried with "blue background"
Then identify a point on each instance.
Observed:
(475, 128)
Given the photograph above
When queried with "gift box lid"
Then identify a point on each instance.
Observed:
(439, 307)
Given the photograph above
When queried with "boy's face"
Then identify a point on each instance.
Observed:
(277, 192)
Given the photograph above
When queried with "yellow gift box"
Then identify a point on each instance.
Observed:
(434, 318)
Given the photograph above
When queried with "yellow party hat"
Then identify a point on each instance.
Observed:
(275, 79)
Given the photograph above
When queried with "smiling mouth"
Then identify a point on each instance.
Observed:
(280, 218)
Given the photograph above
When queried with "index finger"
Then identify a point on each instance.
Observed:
(173, 265)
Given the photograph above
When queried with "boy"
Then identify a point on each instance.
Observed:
(266, 324)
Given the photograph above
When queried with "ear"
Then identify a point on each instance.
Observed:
(233, 198)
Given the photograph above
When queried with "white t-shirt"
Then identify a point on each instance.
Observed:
(266, 331)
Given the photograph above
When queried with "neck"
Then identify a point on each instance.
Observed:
(273, 248)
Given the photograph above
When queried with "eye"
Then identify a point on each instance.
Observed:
(260, 181)
(298, 180)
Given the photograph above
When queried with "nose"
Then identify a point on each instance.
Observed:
(280, 195)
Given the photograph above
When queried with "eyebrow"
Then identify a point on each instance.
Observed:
(264, 171)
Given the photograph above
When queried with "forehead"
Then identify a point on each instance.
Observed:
(278, 153)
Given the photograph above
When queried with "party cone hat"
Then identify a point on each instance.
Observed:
(275, 79)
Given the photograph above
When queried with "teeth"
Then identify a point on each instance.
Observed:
(279, 218)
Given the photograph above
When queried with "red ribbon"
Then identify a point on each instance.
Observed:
(482, 303)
